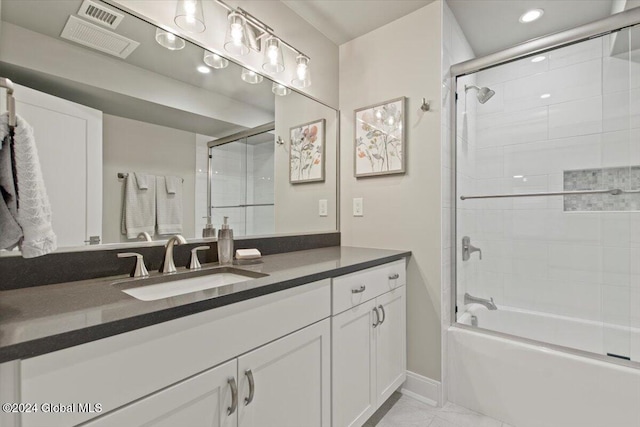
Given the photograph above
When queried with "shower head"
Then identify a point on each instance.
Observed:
(484, 93)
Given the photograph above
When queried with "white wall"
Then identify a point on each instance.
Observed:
(536, 256)
(130, 145)
(400, 212)
(287, 25)
(297, 204)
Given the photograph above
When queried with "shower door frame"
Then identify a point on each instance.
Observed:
(611, 24)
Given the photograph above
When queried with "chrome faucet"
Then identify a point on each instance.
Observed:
(469, 299)
(168, 266)
(468, 249)
(143, 235)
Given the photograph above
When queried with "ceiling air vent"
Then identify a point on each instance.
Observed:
(100, 14)
(98, 38)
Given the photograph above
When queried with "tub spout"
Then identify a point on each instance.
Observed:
(469, 299)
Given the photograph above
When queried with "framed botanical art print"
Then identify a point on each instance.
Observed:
(380, 139)
(306, 152)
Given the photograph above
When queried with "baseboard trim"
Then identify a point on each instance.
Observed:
(422, 388)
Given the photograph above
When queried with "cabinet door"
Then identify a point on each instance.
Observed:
(287, 383)
(353, 358)
(203, 400)
(391, 343)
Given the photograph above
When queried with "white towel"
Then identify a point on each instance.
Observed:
(142, 180)
(34, 209)
(173, 183)
(139, 206)
(169, 206)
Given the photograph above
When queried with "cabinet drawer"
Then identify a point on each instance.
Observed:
(355, 288)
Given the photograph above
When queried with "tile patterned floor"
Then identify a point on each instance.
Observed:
(403, 411)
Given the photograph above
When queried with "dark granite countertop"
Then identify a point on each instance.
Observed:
(42, 319)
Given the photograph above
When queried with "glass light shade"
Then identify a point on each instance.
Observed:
(236, 39)
(215, 61)
(251, 77)
(303, 75)
(273, 61)
(280, 90)
(189, 16)
(169, 40)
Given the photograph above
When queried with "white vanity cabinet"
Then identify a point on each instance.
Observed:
(284, 383)
(368, 341)
(280, 337)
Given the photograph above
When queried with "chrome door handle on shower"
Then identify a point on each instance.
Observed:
(252, 387)
(468, 249)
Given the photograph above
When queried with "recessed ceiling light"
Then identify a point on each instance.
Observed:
(539, 58)
(204, 69)
(545, 95)
(531, 15)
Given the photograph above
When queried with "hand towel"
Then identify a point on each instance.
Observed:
(173, 182)
(142, 180)
(33, 207)
(10, 231)
(169, 218)
(139, 206)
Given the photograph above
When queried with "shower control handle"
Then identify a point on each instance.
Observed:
(468, 249)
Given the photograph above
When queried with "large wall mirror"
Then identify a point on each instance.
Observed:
(135, 105)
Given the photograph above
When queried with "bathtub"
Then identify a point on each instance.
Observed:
(540, 384)
(586, 335)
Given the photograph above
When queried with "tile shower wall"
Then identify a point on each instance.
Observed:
(576, 108)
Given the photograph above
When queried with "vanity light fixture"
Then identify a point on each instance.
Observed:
(531, 15)
(169, 40)
(236, 39)
(273, 59)
(251, 77)
(245, 33)
(214, 60)
(539, 58)
(203, 69)
(280, 90)
(303, 75)
(189, 16)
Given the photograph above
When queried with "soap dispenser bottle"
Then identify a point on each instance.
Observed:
(208, 230)
(225, 243)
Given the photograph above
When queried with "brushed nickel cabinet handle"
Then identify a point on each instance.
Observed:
(384, 315)
(377, 322)
(358, 290)
(252, 387)
(234, 396)
(394, 276)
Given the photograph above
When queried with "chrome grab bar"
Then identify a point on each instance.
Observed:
(613, 192)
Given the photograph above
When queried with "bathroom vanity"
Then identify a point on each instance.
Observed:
(317, 340)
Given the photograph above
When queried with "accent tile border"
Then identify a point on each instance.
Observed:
(625, 178)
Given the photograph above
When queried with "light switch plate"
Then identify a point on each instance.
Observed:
(322, 207)
(358, 206)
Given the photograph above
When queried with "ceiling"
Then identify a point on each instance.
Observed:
(344, 20)
(492, 25)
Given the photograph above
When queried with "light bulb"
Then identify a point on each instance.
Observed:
(236, 38)
(303, 75)
(236, 34)
(273, 60)
(189, 16)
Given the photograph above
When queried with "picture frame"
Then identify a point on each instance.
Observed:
(307, 152)
(380, 139)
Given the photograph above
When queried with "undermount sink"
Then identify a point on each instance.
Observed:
(159, 287)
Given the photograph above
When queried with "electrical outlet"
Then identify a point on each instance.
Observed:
(323, 210)
(358, 207)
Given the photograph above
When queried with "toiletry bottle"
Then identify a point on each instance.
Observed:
(225, 243)
(208, 230)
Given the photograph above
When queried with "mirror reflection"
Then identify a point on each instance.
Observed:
(188, 131)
